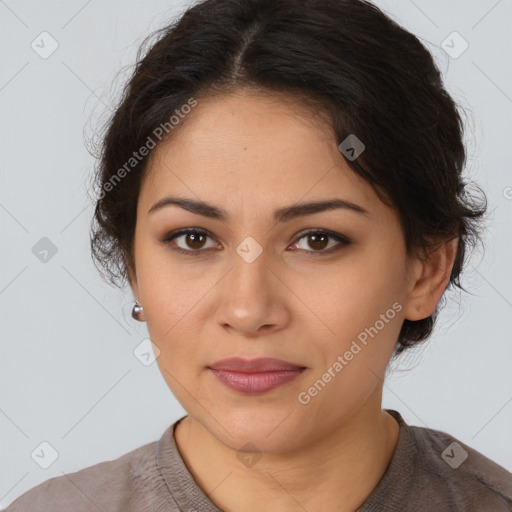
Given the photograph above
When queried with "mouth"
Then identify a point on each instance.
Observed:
(253, 376)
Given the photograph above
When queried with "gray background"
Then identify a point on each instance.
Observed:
(68, 373)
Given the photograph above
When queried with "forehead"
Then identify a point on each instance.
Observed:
(256, 147)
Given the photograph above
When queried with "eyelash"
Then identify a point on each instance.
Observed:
(339, 238)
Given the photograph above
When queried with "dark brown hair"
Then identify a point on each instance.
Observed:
(372, 77)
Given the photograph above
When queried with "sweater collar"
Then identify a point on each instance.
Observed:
(189, 495)
(180, 482)
(391, 493)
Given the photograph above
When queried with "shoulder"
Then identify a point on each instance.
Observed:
(458, 475)
(130, 482)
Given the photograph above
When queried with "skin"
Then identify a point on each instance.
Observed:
(251, 153)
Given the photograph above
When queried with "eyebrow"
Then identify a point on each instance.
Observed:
(280, 215)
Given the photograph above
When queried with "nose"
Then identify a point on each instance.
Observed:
(252, 298)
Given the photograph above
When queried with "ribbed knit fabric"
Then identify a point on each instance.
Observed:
(425, 474)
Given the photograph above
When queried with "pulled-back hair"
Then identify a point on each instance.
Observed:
(370, 76)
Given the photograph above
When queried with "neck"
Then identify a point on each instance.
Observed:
(335, 473)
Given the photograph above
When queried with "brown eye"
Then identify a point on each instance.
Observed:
(189, 241)
(318, 241)
(194, 240)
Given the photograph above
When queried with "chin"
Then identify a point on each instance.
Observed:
(270, 430)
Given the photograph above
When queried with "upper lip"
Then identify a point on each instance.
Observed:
(262, 364)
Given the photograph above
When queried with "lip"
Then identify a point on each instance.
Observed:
(255, 375)
(259, 365)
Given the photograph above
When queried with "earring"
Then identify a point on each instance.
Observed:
(136, 311)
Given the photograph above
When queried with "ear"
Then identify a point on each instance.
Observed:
(429, 277)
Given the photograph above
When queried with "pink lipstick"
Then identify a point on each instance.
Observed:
(255, 375)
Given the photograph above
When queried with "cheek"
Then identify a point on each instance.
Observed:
(362, 310)
(352, 362)
(167, 290)
(356, 296)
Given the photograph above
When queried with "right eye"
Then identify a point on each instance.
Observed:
(193, 238)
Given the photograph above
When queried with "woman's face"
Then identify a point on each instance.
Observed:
(258, 286)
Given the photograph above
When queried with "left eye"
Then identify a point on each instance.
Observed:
(317, 240)
(194, 240)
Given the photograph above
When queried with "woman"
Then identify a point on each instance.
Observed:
(281, 186)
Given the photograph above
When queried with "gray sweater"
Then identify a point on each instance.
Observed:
(429, 471)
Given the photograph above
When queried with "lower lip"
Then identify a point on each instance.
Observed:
(256, 382)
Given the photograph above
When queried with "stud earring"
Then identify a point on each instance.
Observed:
(136, 311)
